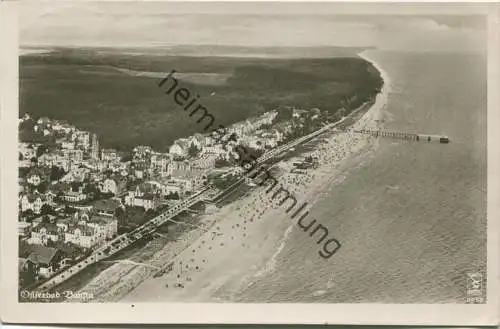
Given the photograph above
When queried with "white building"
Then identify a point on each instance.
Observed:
(160, 162)
(109, 155)
(142, 196)
(113, 185)
(73, 155)
(57, 158)
(34, 178)
(178, 149)
(33, 202)
(68, 144)
(45, 232)
(73, 196)
(90, 231)
(28, 150)
(23, 228)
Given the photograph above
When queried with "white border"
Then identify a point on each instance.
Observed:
(178, 313)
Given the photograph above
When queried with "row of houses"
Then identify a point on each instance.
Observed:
(85, 231)
(48, 241)
(87, 228)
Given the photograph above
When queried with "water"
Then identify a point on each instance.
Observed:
(410, 216)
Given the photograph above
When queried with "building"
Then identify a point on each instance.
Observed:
(34, 177)
(82, 139)
(57, 158)
(217, 150)
(116, 185)
(143, 196)
(159, 162)
(180, 148)
(172, 187)
(88, 231)
(184, 165)
(62, 127)
(188, 181)
(44, 232)
(107, 207)
(73, 155)
(109, 155)
(45, 261)
(28, 150)
(94, 150)
(33, 202)
(23, 228)
(141, 151)
(73, 196)
(49, 196)
(76, 175)
(204, 161)
(67, 144)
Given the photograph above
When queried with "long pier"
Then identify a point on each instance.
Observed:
(405, 135)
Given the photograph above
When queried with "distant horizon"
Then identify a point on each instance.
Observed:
(34, 45)
(230, 51)
(251, 25)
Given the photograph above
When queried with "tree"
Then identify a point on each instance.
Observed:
(42, 187)
(56, 173)
(127, 157)
(45, 219)
(69, 210)
(233, 137)
(28, 214)
(221, 162)
(119, 212)
(193, 150)
(41, 150)
(75, 186)
(172, 196)
(92, 190)
(59, 196)
(47, 210)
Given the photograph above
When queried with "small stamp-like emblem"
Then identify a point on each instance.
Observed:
(475, 288)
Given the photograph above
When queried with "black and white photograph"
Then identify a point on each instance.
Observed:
(263, 154)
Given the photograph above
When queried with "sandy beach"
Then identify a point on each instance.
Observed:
(240, 241)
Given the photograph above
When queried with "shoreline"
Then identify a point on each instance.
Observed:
(192, 256)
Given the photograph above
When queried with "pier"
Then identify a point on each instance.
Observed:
(405, 135)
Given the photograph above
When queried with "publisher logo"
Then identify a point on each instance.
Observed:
(475, 288)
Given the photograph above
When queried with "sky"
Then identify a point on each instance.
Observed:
(142, 24)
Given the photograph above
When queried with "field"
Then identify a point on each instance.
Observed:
(116, 95)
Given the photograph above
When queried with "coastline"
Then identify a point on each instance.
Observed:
(222, 260)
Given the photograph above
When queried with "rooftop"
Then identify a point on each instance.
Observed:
(42, 255)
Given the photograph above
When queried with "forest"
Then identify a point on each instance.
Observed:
(85, 88)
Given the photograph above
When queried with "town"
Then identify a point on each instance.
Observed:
(75, 196)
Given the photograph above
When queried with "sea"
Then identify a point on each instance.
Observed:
(411, 216)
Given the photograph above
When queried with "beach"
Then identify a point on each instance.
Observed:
(240, 242)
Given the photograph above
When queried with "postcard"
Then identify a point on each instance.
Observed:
(249, 162)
